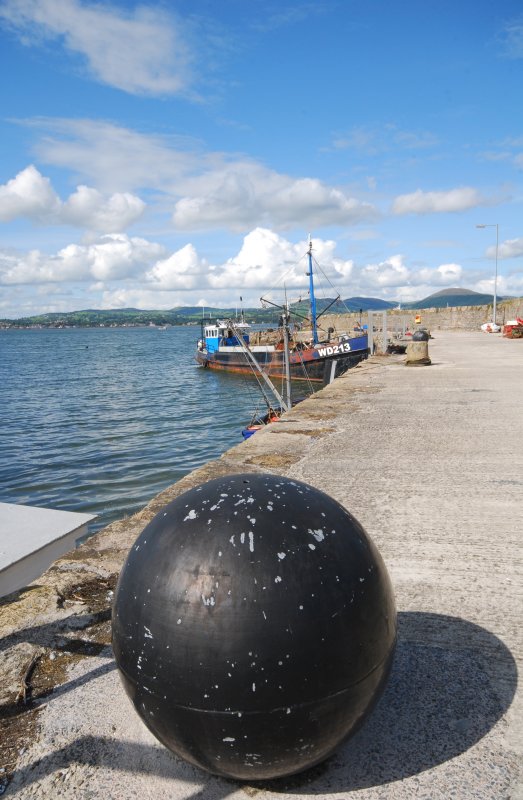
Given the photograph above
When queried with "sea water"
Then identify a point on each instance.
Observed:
(100, 420)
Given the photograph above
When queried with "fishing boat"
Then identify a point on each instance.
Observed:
(228, 345)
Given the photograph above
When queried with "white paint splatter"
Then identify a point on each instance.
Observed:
(242, 537)
(178, 621)
(277, 579)
(312, 546)
(281, 556)
(229, 739)
(318, 534)
(208, 601)
(253, 687)
(251, 541)
(148, 634)
(191, 515)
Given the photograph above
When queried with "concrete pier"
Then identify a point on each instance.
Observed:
(430, 461)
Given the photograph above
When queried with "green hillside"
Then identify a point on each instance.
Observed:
(192, 315)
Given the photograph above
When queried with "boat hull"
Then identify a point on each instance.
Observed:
(319, 364)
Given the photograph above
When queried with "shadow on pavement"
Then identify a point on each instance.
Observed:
(450, 683)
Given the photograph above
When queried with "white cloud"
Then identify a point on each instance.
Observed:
(113, 257)
(31, 195)
(390, 273)
(446, 275)
(140, 51)
(181, 270)
(454, 200)
(259, 264)
(511, 248)
(373, 140)
(114, 158)
(394, 278)
(118, 271)
(244, 194)
(264, 260)
(512, 39)
(206, 189)
(142, 297)
(268, 264)
(88, 208)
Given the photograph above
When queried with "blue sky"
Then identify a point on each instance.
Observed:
(180, 153)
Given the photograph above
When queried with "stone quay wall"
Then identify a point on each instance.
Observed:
(467, 318)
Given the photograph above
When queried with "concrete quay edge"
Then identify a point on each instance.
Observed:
(430, 461)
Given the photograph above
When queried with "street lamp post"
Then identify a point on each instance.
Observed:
(496, 226)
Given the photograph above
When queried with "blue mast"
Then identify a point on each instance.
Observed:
(312, 297)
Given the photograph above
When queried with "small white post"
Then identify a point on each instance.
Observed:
(370, 332)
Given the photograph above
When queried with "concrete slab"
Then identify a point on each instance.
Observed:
(31, 538)
(430, 460)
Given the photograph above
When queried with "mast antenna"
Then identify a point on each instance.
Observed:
(312, 298)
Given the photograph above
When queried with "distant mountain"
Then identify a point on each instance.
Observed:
(368, 304)
(452, 292)
(452, 298)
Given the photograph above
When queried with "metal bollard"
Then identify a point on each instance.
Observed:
(418, 350)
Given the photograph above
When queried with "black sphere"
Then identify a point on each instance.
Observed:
(253, 626)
